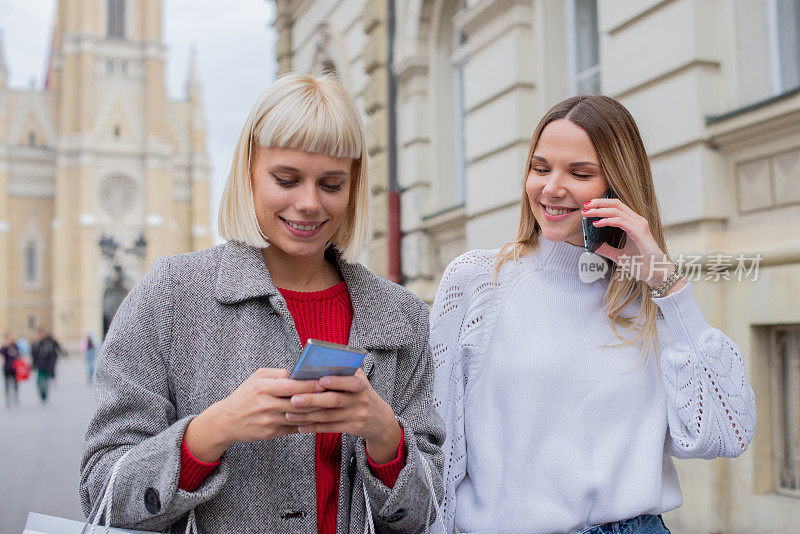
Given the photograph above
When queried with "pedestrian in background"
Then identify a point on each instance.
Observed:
(10, 354)
(89, 351)
(45, 355)
(24, 347)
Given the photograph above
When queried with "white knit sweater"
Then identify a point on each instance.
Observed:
(548, 431)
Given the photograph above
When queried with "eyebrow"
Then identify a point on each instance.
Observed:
(573, 164)
(287, 168)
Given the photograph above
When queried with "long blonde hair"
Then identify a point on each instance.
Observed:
(308, 113)
(627, 168)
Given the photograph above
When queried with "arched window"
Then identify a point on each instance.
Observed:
(31, 139)
(116, 131)
(116, 19)
(31, 264)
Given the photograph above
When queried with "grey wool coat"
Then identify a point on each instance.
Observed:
(189, 333)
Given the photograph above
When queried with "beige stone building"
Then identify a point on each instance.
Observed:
(451, 91)
(99, 152)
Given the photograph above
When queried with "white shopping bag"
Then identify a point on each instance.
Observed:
(45, 524)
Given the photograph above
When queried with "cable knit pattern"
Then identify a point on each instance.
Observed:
(463, 299)
(564, 433)
(711, 411)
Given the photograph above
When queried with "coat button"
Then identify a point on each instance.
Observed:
(293, 514)
(397, 516)
(152, 501)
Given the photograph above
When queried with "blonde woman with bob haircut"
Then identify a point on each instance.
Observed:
(198, 421)
(564, 395)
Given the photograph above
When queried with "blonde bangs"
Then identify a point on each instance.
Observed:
(310, 114)
(310, 122)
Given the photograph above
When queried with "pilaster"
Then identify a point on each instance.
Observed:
(375, 20)
(283, 25)
(5, 227)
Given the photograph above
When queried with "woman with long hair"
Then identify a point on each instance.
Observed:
(565, 396)
(197, 418)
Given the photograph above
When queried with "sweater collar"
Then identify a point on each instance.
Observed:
(559, 256)
(378, 320)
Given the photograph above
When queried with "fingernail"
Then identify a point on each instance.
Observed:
(325, 381)
(296, 401)
(584, 211)
(587, 203)
(291, 416)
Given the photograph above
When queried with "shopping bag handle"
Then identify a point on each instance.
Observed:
(105, 504)
(369, 527)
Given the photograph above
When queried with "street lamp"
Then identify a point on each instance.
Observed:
(116, 288)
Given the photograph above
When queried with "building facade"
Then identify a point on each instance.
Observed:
(100, 155)
(715, 88)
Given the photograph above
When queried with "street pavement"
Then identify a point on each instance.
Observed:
(40, 447)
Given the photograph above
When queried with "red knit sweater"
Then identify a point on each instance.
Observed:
(325, 315)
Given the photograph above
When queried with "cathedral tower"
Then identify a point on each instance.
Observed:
(118, 161)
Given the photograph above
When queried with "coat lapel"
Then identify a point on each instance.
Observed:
(242, 275)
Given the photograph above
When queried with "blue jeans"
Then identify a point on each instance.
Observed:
(643, 524)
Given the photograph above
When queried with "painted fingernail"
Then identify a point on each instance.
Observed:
(584, 211)
(587, 203)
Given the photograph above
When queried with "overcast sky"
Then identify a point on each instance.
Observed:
(235, 57)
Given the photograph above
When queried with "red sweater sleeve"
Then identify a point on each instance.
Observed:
(193, 471)
(388, 472)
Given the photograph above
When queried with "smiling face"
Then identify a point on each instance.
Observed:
(300, 198)
(564, 173)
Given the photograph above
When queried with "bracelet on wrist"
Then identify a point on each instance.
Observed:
(667, 284)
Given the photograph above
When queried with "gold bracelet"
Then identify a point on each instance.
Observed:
(667, 284)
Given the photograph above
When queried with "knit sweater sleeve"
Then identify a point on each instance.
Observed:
(457, 318)
(711, 408)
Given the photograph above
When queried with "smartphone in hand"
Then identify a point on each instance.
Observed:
(594, 236)
(323, 358)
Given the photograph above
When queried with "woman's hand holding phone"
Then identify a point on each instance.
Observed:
(349, 405)
(641, 257)
(255, 411)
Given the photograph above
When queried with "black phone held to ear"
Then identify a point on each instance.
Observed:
(594, 236)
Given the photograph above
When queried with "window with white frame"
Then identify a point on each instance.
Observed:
(116, 19)
(784, 32)
(785, 392)
(583, 47)
(448, 72)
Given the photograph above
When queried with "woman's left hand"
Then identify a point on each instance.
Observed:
(641, 257)
(350, 405)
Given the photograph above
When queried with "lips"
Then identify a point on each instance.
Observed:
(308, 227)
(556, 211)
(302, 228)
